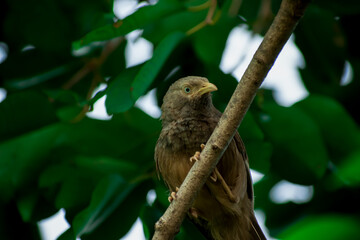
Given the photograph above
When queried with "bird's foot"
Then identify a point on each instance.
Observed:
(173, 195)
(196, 157)
(194, 212)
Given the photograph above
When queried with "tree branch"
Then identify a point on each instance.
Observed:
(279, 32)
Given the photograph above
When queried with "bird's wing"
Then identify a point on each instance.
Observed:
(241, 148)
(255, 230)
(156, 156)
(234, 172)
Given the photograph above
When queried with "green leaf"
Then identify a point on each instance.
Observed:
(107, 165)
(151, 68)
(97, 96)
(115, 63)
(123, 217)
(26, 65)
(259, 155)
(67, 182)
(299, 152)
(137, 20)
(63, 96)
(149, 216)
(23, 112)
(100, 138)
(226, 84)
(118, 93)
(339, 131)
(189, 231)
(69, 103)
(25, 28)
(23, 83)
(73, 193)
(315, 35)
(162, 193)
(139, 120)
(181, 21)
(325, 227)
(55, 174)
(69, 113)
(33, 206)
(210, 52)
(249, 130)
(13, 227)
(346, 7)
(347, 172)
(249, 10)
(278, 216)
(26, 206)
(22, 158)
(67, 235)
(107, 196)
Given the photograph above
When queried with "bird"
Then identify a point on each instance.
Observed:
(224, 206)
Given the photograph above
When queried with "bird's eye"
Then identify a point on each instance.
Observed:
(187, 89)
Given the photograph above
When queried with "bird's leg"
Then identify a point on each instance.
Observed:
(215, 175)
(173, 195)
(225, 186)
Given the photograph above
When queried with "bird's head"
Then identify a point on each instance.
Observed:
(187, 97)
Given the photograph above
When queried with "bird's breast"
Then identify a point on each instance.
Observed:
(178, 141)
(187, 135)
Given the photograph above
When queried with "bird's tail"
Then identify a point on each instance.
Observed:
(237, 228)
(255, 229)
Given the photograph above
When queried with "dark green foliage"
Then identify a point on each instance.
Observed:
(53, 156)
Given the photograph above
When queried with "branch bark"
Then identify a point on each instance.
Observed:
(279, 32)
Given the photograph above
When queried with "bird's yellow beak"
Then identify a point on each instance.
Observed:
(208, 87)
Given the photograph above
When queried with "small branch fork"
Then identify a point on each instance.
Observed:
(289, 14)
(92, 66)
(211, 17)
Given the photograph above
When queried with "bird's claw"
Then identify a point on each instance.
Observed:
(173, 195)
(196, 156)
(194, 212)
(213, 176)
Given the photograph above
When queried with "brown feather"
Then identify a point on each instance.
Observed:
(188, 119)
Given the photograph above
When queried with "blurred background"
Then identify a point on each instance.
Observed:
(80, 88)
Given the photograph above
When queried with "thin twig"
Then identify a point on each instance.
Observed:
(210, 18)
